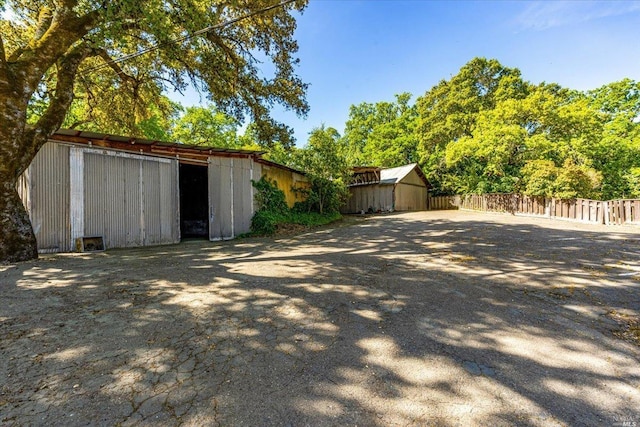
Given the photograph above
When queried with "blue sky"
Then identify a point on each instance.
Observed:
(366, 51)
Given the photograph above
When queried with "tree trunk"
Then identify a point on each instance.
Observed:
(17, 240)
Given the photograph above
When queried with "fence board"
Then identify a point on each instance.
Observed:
(443, 202)
(582, 210)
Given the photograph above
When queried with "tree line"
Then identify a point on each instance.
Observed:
(484, 130)
(487, 130)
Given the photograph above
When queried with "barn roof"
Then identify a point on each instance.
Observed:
(184, 152)
(393, 175)
(133, 144)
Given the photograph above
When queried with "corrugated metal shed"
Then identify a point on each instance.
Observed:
(127, 190)
(130, 199)
(44, 189)
(403, 188)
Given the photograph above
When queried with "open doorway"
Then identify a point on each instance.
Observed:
(194, 201)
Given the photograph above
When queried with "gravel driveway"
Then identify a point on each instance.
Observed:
(434, 318)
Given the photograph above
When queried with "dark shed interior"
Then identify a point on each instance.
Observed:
(194, 201)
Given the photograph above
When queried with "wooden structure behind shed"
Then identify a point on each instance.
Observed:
(137, 192)
(372, 189)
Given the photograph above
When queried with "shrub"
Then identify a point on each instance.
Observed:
(273, 211)
(265, 223)
(269, 197)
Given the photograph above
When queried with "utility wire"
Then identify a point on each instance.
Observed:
(185, 38)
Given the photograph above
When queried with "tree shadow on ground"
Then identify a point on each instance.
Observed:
(427, 318)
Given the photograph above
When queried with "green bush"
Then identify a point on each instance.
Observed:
(274, 212)
(269, 197)
(323, 196)
(265, 223)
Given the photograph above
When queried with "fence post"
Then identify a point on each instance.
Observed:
(605, 212)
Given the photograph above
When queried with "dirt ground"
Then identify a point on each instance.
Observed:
(434, 318)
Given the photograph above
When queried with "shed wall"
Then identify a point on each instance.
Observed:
(130, 200)
(230, 196)
(286, 181)
(242, 195)
(220, 198)
(413, 178)
(44, 189)
(410, 197)
(370, 198)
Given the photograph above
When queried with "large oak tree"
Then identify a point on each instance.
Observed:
(48, 48)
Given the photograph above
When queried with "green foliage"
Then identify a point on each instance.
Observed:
(487, 130)
(274, 213)
(381, 134)
(269, 197)
(449, 111)
(539, 177)
(323, 196)
(223, 64)
(632, 179)
(207, 127)
(272, 207)
(265, 223)
(544, 178)
(577, 181)
(323, 156)
(327, 170)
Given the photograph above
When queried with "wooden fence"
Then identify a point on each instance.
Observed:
(583, 210)
(439, 203)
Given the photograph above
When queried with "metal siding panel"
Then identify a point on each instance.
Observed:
(131, 221)
(168, 202)
(214, 172)
(376, 197)
(242, 196)
(401, 198)
(226, 199)
(175, 203)
(247, 198)
(106, 197)
(49, 198)
(93, 205)
(410, 197)
(24, 189)
(220, 199)
(131, 200)
(256, 174)
(76, 193)
(152, 207)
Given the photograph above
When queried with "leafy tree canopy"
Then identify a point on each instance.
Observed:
(486, 129)
(206, 126)
(381, 134)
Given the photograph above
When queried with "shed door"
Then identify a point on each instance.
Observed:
(220, 198)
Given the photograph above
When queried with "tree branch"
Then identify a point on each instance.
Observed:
(78, 123)
(113, 65)
(4, 68)
(54, 115)
(45, 17)
(65, 29)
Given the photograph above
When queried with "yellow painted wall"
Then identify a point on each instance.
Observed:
(286, 181)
